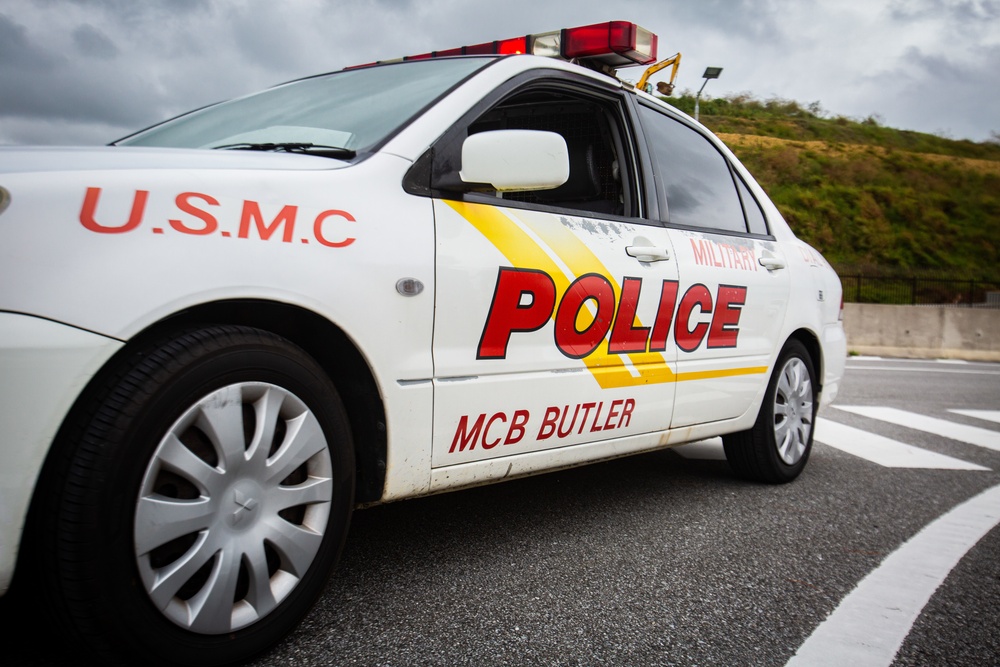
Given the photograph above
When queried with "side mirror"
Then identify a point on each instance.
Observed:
(515, 160)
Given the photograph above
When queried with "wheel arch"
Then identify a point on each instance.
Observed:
(319, 337)
(812, 345)
(335, 352)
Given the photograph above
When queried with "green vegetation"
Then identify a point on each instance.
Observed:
(865, 194)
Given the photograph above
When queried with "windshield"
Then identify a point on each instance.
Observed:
(353, 109)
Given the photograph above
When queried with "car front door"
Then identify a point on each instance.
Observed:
(552, 307)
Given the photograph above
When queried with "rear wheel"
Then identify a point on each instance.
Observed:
(202, 501)
(777, 448)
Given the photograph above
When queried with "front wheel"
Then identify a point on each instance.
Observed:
(777, 448)
(203, 500)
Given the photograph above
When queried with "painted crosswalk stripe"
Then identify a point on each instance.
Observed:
(884, 451)
(869, 446)
(973, 435)
(871, 623)
(988, 415)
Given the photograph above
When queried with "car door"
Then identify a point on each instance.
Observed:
(552, 307)
(734, 284)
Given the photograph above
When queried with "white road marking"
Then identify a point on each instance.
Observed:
(871, 623)
(884, 451)
(898, 369)
(988, 415)
(973, 435)
(869, 446)
(703, 450)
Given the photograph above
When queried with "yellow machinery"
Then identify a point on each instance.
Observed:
(663, 87)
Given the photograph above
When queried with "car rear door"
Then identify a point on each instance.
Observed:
(734, 281)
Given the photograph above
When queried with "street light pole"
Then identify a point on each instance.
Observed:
(710, 73)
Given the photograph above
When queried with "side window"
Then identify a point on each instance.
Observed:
(755, 215)
(598, 182)
(695, 176)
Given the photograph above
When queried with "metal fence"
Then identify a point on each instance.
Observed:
(877, 287)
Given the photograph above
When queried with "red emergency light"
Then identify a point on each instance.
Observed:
(614, 44)
(502, 47)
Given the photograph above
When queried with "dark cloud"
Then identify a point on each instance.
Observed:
(93, 43)
(17, 51)
(69, 67)
(964, 11)
(43, 84)
(931, 85)
(129, 11)
(752, 20)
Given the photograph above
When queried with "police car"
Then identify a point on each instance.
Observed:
(220, 335)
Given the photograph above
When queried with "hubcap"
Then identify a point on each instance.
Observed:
(793, 411)
(233, 507)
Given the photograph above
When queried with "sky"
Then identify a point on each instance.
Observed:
(78, 72)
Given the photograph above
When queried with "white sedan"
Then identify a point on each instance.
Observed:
(222, 334)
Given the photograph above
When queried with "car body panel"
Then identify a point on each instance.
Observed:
(44, 366)
(100, 245)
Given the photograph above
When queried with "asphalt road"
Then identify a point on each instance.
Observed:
(659, 559)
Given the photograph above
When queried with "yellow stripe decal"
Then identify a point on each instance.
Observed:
(723, 373)
(523, 252)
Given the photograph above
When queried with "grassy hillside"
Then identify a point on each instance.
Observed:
(866, 194)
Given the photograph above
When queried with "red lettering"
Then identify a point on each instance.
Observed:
(251, 213)
(183, 202)
(90, 206)
(612, 413)
(517, 424)
(627, 413)
(524, 300)
(712, 252)
(664, 316)
(725, 322)
(586, 411)
(318, 228)
(491, 444)
(689, 338)
(700, 248)
(463, 438)
(509, 313)
(597, 417)
(576, 343)
(548, 426)
(625, 336)
(563, 432)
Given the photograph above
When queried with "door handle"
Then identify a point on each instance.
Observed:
(772, 263)
(647, 253)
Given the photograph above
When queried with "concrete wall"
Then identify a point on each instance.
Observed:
(923, 331)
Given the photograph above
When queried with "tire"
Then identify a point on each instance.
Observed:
(202, 501)
(777, 448)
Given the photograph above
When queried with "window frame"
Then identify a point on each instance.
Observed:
(445, 153)
(663, 203)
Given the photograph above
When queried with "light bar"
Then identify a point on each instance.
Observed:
(614, 43)
(502, 47)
